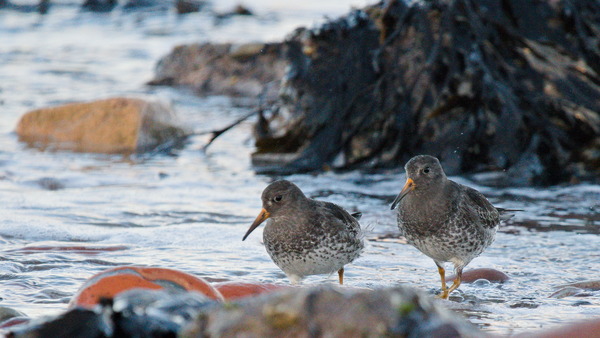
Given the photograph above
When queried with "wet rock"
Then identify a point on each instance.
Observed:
(147, 4)
(332, 312)
(463, 80)
(134, 313)
(593, 285)
(224, 69)
(242, 10)
(21, 320)
(111, 283)
(526, 304)
(579, 289)
(156, 313)
(75, 323)
(235, 290)
(99, 5)
(50, 183)
(492, 275)
(41, 7)
(237, 10)
(189, 6)
(8, 313)
(568, 292)
(116, 125)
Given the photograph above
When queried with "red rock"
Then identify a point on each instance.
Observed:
(234, 290)
(472, 275)
(111, 282)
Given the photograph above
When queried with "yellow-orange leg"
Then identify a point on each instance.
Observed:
(341, 275)
(445, 292)
(457, 281)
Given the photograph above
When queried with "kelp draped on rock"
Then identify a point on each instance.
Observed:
(484, 85)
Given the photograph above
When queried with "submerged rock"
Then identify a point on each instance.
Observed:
(7, 313)
(116, 125)
(593, 285)
(50, 183)
(13, 321)
(189, 6)
(568, 292)
(41, 7)
(333, 312)
(147, 4)
(99, 5)
(579, 289)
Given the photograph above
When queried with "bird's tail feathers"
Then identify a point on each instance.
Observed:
(506, 214)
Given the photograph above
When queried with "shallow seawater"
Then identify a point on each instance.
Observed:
(67, 216)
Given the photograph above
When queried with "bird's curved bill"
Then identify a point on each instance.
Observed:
(408, 187)
(264, 214)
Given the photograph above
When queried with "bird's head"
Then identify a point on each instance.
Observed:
(423, 173)
(277, 198)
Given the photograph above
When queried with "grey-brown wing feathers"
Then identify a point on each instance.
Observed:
(488, 214)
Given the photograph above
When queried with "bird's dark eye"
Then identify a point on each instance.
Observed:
(426, 170)
(277, 198)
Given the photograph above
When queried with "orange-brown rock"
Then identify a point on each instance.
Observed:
(115, 125)
(109, 283)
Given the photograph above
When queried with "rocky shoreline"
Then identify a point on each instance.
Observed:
(156, 302)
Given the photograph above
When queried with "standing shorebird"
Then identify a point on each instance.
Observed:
(306, 237)
(446, 221)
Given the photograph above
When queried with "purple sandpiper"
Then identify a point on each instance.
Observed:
(446, 221)
(304, 236)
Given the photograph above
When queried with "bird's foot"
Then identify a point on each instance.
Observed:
(443, 295)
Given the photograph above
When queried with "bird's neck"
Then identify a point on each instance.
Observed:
(430, 199)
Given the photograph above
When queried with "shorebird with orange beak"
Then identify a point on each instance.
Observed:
(304, 236)
(446, 221)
